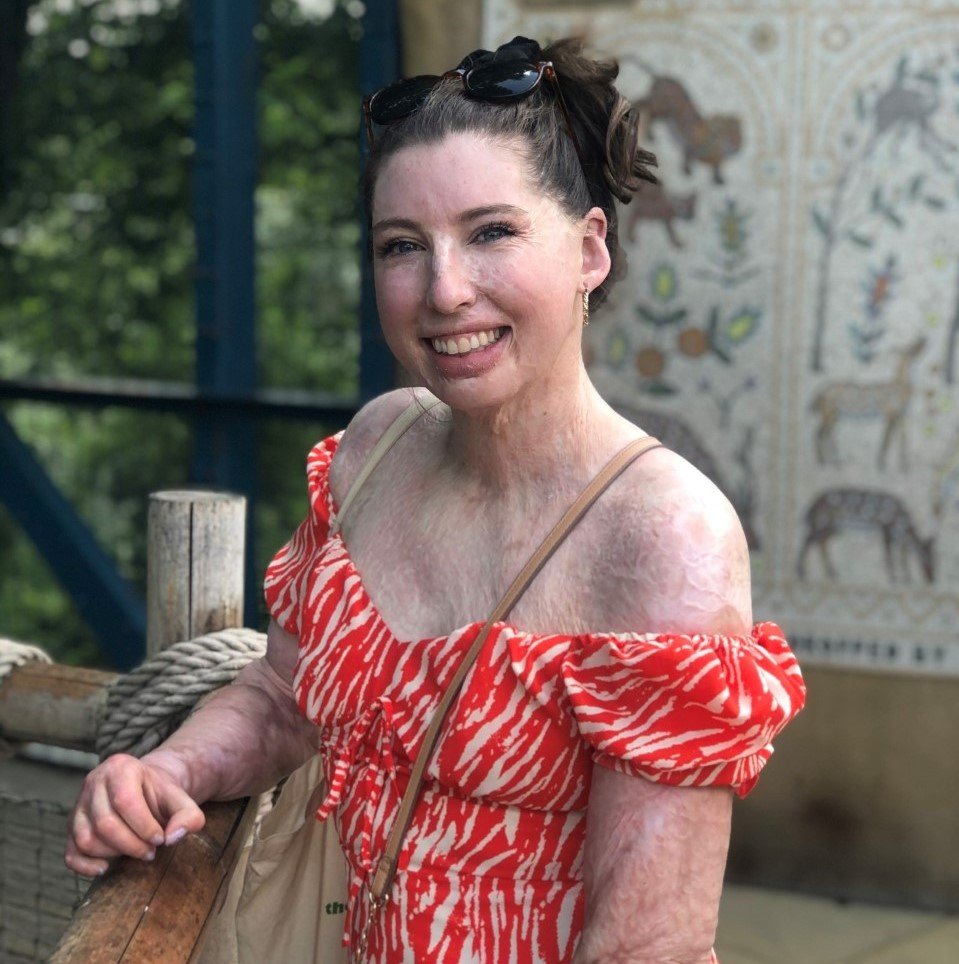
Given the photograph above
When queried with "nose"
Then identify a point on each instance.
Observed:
(451, 286)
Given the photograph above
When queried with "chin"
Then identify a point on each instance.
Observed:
(469, 394)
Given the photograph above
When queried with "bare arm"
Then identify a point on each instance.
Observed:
(653, 871)
(655, 854)
(247, 736)
(240, 741)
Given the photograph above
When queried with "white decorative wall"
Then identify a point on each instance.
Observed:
(791, 314)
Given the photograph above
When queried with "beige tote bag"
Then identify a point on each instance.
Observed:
(287, 900)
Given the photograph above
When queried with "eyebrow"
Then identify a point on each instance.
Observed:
(466, 216)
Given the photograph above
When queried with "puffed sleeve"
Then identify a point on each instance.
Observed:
(285, 584)
(698, 710)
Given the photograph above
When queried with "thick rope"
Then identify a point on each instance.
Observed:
(13, 654)
(144, 706)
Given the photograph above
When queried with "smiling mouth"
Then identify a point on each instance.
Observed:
(464, 344)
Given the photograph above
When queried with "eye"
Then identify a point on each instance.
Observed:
(395, 247)
(494, 232)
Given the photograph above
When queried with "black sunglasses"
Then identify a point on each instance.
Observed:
(497, 81)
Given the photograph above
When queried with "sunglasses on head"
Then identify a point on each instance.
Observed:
(498, 81)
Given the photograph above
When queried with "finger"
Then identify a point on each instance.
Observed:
(85, 838)
(129, 798)
(184, 814)
(82, 864)
(111, 833)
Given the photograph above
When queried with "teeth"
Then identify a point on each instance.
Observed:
(466, 343)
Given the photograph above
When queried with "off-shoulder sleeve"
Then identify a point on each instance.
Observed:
(698, 710)
(285, 584)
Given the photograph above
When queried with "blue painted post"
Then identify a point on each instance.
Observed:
(225, 58)
(104, 599)
(379, 65)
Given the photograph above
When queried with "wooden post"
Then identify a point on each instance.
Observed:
(195, 554)
(156, 911)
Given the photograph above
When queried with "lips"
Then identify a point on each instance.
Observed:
(469, 362)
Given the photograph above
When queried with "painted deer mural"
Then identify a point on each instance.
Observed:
(886, 399)
(911, 103)
(844, 510)
(708, 140)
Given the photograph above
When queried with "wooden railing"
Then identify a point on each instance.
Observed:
(150, 912)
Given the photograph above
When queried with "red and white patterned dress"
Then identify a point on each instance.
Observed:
(491, 867)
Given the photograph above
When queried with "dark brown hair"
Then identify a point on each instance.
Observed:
(614, 166)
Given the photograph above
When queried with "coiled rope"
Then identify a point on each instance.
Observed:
(143, 707)
(13, 654)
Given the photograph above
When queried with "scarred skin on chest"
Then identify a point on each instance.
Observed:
(436, 550)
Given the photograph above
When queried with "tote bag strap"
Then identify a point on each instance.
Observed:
(386, 868)
(406, 419)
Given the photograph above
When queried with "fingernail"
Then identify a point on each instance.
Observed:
(156, 839)
(178, 834)
(150, 855)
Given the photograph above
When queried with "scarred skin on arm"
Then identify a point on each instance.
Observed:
(655, 854)
(247, 736)
(238, 742)
(653, 869)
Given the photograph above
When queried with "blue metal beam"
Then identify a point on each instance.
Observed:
(105, 601)
(179, 399)
(379, 65)
(225, 57)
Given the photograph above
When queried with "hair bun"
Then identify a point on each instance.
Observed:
(608, 124)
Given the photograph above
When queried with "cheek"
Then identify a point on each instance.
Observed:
(397, 294)
(512, 277)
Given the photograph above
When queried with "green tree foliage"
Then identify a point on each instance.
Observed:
(97, 249)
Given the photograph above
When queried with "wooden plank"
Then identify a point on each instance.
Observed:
(109, 915)
(155, 912)
(50, 703)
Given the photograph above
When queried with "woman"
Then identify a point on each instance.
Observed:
(490, 195)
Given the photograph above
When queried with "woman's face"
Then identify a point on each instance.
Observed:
(479, 277)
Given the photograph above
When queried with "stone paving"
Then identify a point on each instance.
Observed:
(772, 927)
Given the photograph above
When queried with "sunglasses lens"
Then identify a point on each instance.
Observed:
(502, 81)
(401, 99)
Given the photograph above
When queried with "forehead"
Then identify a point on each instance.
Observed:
(459, 172)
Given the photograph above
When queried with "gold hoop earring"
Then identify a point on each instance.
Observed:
(585, 307)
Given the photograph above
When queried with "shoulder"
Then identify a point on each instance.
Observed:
(685, 549)
(364, 431)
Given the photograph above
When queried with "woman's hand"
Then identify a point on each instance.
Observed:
(238, 741)
(127, 806)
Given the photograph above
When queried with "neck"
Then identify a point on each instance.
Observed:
(542, 438)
